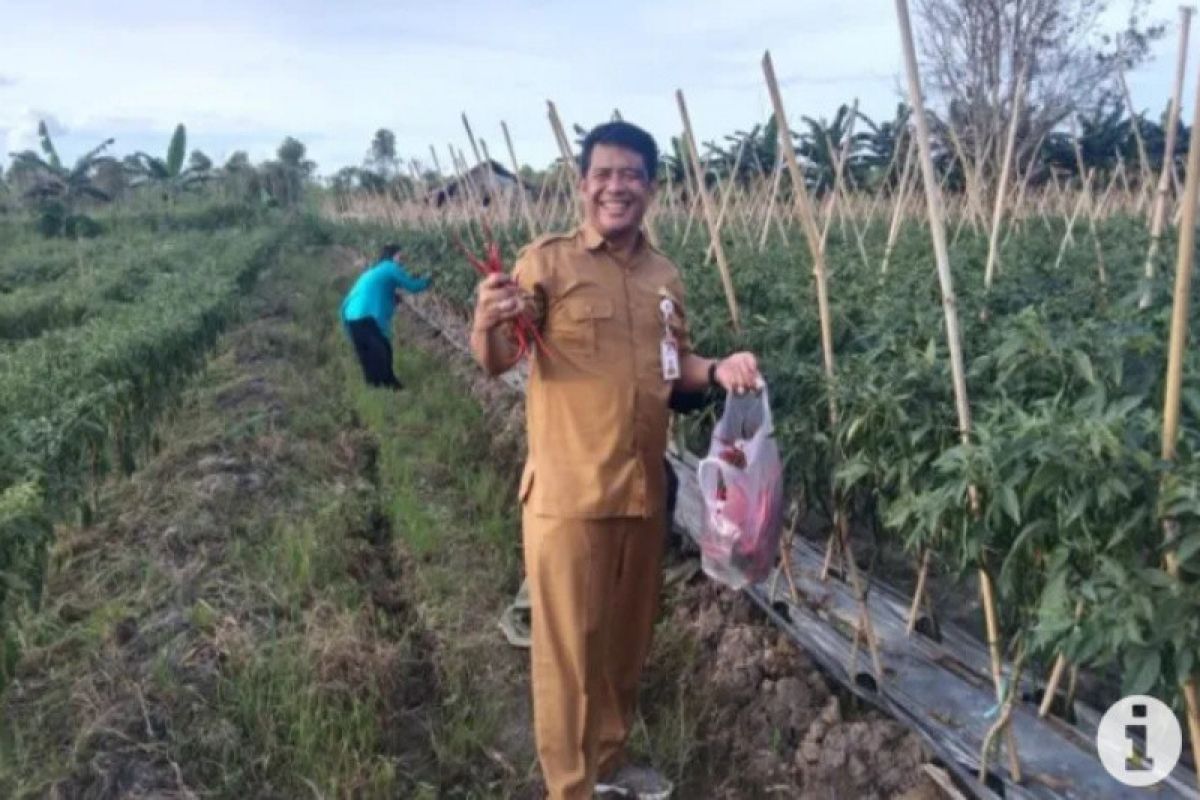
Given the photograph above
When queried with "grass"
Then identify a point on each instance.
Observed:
(295, 597)
(450, 493)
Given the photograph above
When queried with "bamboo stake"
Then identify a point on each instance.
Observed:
(564, 146)
(902, 195)
(466, 196)
(533, 231)
(971, 177)
(471, 138)
(919, 592)
(1102, 206)
(838, 162)
(1158, 213)
(989, 271)
(839, 194)
(725, 197)
(887, 174)
(1174, 387)
(1085, 199)
(813, 235)
(1056, 673)
(1002, 723)
(487, 207)
(766, 230)
(1068, 238)
(954, 339)
(671, 203)
(1017, 216)
(495, 186)
(560, 134)
(1137, 130)
(714, 230)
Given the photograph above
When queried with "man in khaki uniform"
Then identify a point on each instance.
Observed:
(611, 311)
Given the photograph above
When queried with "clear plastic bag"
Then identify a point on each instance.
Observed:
(741, 481)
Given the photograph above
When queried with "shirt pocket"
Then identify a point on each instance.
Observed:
(579, 323)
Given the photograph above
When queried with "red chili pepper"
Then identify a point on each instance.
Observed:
(524, 327)
(735, 456)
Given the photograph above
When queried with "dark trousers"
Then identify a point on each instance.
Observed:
(374, 353)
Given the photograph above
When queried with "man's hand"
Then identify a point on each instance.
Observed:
(499, 301)
(738, 373)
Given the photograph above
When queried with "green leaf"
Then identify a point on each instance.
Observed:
(1083, 366)
(48, 146)
(1188, 547)
(1143, 672)
(175, 151)
(1008, 499)
(1157, 578)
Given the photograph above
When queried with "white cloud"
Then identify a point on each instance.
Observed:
(21, 129)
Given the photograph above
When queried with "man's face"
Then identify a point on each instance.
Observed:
(616, 191)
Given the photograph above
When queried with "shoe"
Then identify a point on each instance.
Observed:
(636, 783)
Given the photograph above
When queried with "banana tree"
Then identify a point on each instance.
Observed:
(820, 146)
(884, 145)
(1105, 134)
(168, 174)
(57, 191)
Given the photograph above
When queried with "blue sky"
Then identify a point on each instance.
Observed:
(242, 75)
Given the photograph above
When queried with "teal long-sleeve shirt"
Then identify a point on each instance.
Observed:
(373, 294)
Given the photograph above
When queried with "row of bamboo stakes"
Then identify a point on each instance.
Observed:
(737, 207)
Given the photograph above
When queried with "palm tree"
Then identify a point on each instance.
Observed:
(168, 174)
(56, 190)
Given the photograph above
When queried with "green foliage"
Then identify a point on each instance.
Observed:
(176, 150)
(58, 192)
(90, 359)
(168, 175)
(1065, 380)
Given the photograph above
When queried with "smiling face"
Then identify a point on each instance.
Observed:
(616, 191)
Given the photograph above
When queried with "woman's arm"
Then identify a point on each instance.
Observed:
(407, 282)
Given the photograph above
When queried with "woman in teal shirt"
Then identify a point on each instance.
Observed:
(367, 314)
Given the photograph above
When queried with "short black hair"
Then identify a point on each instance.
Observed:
(621, 134)
(387, 251)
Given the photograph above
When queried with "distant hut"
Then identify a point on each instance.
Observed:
(490, 179)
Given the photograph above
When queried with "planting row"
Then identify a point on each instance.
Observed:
(1065, 378)
(75, 402)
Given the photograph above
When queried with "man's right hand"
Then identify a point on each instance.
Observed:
(499, 301)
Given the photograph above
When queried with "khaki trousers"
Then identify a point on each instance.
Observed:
(593, 590)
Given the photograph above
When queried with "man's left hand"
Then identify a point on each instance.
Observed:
(738, 373)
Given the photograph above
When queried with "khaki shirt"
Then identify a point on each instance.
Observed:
(596, 404)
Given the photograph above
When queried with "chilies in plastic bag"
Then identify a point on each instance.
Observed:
(741, 481)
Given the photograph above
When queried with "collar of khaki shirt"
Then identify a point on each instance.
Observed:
(594, 240)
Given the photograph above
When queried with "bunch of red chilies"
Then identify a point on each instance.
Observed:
(525, 329)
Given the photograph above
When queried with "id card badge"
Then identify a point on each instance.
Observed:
(669, 347)
(670, 360)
